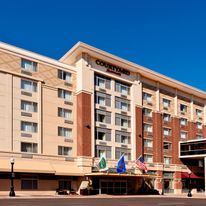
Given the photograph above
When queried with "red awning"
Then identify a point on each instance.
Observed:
(192, 176)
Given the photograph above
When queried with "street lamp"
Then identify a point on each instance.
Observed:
(189, 185)
(12, 193)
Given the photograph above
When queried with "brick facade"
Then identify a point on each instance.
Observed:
(84, 124)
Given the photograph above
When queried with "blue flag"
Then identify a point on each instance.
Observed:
(121, 165)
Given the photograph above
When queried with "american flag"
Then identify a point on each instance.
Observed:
(140, 163)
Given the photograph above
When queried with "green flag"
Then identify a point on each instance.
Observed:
(102, 165)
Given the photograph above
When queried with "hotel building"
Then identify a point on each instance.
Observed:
(57, 117)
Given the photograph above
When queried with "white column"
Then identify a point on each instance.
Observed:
(191, 109)
(158, 98)
(205, 173)
(175, 103)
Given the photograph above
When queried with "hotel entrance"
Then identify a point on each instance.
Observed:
(119, 187)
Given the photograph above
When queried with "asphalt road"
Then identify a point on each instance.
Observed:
(115, 201)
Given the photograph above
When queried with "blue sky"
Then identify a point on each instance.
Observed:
(168, 36)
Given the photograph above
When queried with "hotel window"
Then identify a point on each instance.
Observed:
(167, 160)
(148, 158)
(29, 86)
(28, 106)
(122, 104)
(120, 151)
(198, 112)
(166, 103)
(166, 117)
(148, 143)
(103, 99)
(167, 146)
(103, 134)
(183, 122)
(122, 120)
(199, 136)
(147, 128)
(29, 184)
(147, 97)
(167, 132)
(29, 127)
(122, 137)
(28, 65)
(65, 113)
(104, 151)
(199, 125)
(122, 88)
(103, 82)
(183, 135)
(65, 151)
(65, 76)
(64, 94)
(64, 132)
(147, 112)
(28, 147)
(183, 108)
(103, 116)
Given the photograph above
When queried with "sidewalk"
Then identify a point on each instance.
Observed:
(52, 194)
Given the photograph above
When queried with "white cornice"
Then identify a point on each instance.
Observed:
(22, 52)
(81, 47)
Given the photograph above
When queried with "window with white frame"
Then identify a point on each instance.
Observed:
(119, 151)
(122, 104)
(147, 112)
(67, 76)
(148, 143)
(65, 151)
(199, 125)
(199, 136)
(183, 135)
(28, 85)
(28, 106)
(167, 131)
(122, 120)
(104, 151)
(64, 94)
(103, 82)
(166, 103)
(103, 134)
(28, 127)
(65, 113)
(65, 132)
(147, 97)
(103, 116)
(166, 117)
(183, 122)
(122, 137)
(183, 108)
(28, 65)
(147, 127)
(167, 160)
(198, 112)
(29, 147)
(167, 146)
(122, 88)
(103, 99)
(148, 158)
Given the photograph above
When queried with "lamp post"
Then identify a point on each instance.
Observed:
(189, 185)
(12, 193)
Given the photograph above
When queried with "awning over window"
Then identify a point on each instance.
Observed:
(41, 166)
(185, 175)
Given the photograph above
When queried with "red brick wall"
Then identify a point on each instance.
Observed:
(175, 140)
(157, 137)
(84, 124)
(204, 130)
(139, 137)
(192, 130)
